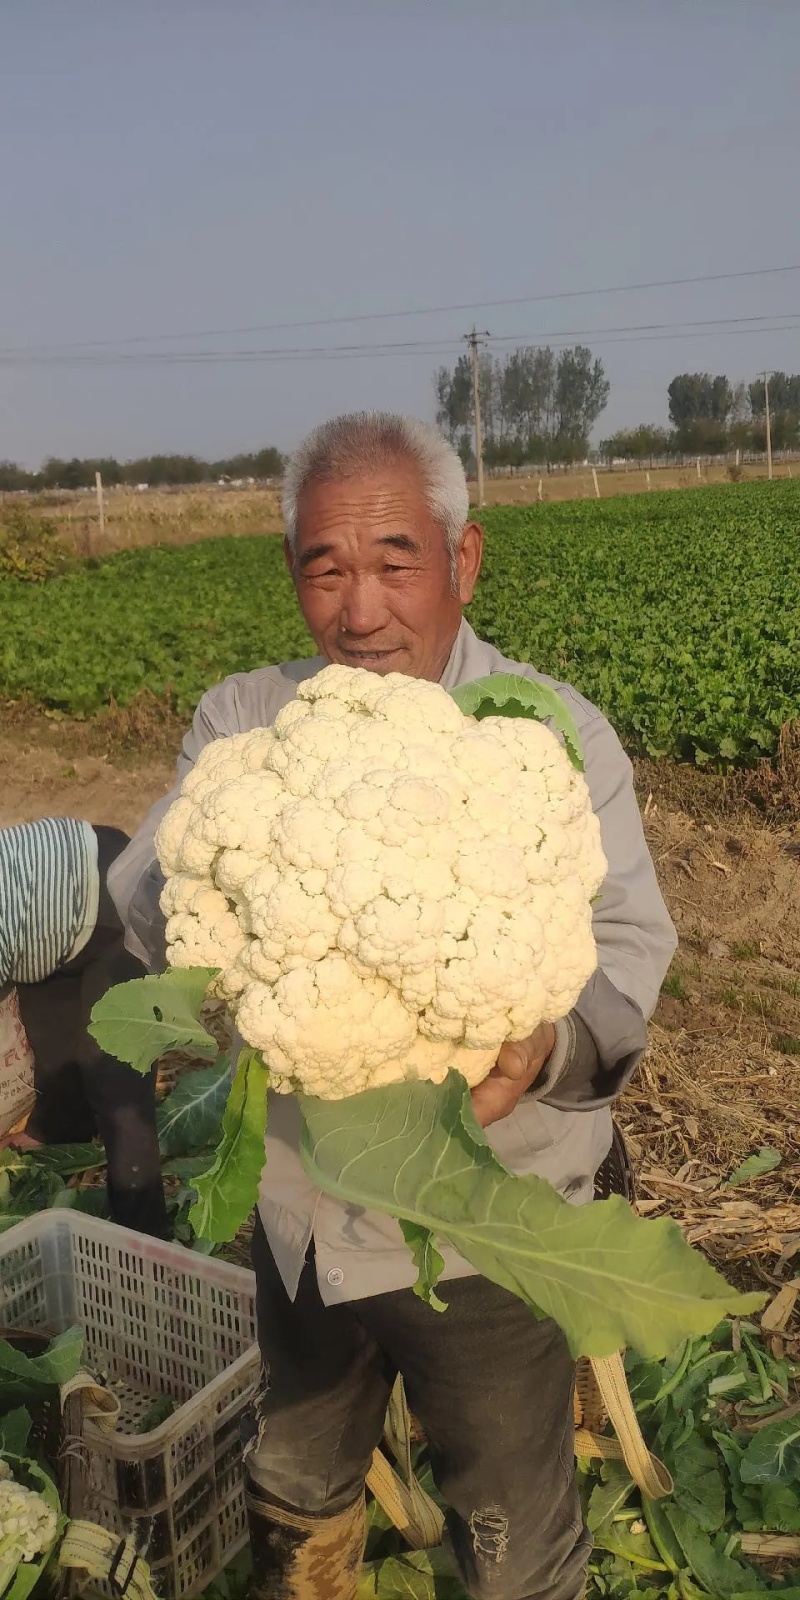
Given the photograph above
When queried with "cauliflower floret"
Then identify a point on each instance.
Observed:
(240, 813)
(218, 761)
(329, 1032)
(233, 868)
(180, 846)
(390, 888)
(28, 1526)
(256, 748)
(202, 930)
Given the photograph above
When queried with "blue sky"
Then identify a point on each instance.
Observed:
(177, 167)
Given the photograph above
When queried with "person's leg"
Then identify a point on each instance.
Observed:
(54, 1017)
(83, 1092)
(51, 1017)
(122, 1101)
(492, 1387)
(321, 1415)
(327, 1386)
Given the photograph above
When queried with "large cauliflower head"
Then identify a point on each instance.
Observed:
(390, 888)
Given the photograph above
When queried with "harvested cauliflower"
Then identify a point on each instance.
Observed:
(28, 1526)
(390, 888)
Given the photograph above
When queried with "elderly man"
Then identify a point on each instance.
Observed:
(383, 557)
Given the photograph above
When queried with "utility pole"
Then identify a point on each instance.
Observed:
(475, 340)
(766, 377)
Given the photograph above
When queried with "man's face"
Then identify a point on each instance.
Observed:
(373, 575)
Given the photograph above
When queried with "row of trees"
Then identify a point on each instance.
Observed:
(712, 416)
(156, 471)
(536, 405)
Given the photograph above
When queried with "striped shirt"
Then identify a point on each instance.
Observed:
(49, 893)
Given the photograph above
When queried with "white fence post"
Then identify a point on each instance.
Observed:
(98, 482)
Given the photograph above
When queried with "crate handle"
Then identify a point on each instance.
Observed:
(98, 1404)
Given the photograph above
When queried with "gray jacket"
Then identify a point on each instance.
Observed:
(562, 1128)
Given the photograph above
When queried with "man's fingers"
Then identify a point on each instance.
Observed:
(519, 1062)
(513, 1061)
(493, 1098)
(518, 1058)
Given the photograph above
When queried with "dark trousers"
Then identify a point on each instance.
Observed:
(492, 1388)
(82, 1092)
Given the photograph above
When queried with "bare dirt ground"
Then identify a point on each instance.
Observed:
(52, 767)
(722, 1077)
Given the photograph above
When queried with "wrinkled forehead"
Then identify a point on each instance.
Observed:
(367, 506)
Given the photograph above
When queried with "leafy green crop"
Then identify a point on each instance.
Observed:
(677, 614)
(148, 1016)
(608, 1277)
(35, 1180)
(24, 1377)
(190, 1118)
(227, 1192)
(171, 619)
(415, 1151)
(508, 694)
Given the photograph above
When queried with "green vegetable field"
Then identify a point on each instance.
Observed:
(678, 614)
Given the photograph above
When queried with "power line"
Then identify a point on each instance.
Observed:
(631, 334)
(650, 327)
(418, 311)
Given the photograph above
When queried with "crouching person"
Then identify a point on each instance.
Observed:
(61, 949)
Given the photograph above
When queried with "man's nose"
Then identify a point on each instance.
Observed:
(364, 609)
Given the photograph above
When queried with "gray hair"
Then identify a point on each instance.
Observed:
(365, 441)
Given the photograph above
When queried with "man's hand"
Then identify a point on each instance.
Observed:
(19, 1141)
(518, 1066)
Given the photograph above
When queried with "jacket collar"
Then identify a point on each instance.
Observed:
(469, 658)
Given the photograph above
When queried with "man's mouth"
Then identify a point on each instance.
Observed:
(364, 657)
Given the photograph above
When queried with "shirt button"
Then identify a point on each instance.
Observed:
(335, 1277)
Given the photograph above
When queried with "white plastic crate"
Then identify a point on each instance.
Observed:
(158, 1320)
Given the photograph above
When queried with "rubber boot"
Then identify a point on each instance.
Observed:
(304, 1558)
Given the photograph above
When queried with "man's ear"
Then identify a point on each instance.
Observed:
(288, 557)
(468, 561)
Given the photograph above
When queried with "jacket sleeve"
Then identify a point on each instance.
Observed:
(135, 880)
(600, 1043)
